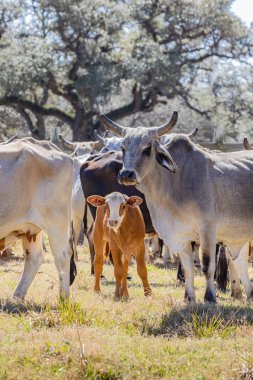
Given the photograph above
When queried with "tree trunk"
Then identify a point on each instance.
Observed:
(83, 127)
(39, 132)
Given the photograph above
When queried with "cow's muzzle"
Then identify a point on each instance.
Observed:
(113, 223)
(127, 177)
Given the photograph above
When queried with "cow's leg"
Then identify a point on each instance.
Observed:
(44, 244)
(98, 264)
(62, 252)
(89, 236)
(241, 263)
(196, 257)
(76, 229)
(147, 242)
(142, 270)
(221, 271)
(155, 246)
(236, 291)
(124, 278)
(180, 273)
(168, 256)
(186, 258)
(33, 252)
(208, 247)
(118, 269)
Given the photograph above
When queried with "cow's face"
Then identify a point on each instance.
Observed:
(115, 206)
(86, 148)
(141, 150)
(112, 143)
(138, 152)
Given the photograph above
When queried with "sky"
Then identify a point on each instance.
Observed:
(244, 9)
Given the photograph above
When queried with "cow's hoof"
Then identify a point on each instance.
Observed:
(250, 296)
(237, 294)
(209, 297)
(19, 296)
(189, 300)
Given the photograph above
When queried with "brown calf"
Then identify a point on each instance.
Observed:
(119, 226)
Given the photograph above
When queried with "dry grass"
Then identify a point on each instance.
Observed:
(96, 337)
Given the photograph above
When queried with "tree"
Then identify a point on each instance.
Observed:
(68, 59)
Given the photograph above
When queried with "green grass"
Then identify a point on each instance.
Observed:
(95, 337)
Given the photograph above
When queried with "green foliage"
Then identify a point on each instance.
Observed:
(71, 60)
(211, 326)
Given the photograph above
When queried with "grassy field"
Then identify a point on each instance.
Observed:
(96, 337)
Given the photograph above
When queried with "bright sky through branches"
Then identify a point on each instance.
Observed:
(244, 9)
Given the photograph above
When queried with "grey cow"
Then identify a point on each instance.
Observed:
(192, 194)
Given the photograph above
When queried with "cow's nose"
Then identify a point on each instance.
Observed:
(112, 222)
(127, 176)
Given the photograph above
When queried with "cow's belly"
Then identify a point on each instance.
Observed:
(9, 234)
(229, 230)
(175, 233)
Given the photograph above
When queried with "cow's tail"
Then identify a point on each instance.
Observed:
(180, 273)
(160, 244)
(221, 272)
(73, 269)
(85, 221)
(73, 242)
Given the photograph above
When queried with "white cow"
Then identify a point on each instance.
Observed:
(35, 193)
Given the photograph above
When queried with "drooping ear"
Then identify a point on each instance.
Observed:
(96, 200)
(134, 201)
(164, 158)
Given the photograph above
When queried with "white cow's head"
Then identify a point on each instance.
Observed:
(115, 205)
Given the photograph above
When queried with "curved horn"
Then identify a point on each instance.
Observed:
(193, 134)
(98, 137)
(165, 128)
(67, 144)
(246, 144)
(11, 139)
(116, 128)
(106, 133)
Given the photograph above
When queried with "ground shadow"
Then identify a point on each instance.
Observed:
(13, 307)
(176, 321)
(7, 259)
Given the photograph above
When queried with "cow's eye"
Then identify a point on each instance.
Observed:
(123, 207)
(147, 150)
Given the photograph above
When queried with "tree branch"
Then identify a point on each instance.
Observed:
(25, 116)
(36, 108)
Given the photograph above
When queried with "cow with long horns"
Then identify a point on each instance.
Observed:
(79, 148)
(192, 194)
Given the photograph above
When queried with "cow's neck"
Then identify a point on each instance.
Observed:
(167, 214)
(161, 185)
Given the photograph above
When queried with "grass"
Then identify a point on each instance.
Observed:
(95, 337)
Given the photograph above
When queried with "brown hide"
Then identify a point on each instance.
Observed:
(128, 241)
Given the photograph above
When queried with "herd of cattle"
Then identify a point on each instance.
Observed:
(143, 183)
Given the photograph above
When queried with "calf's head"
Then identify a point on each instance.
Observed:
(141, 149)
(115, 206)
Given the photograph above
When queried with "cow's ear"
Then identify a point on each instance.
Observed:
(134, 201)
(164, 158)
(96, 200)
